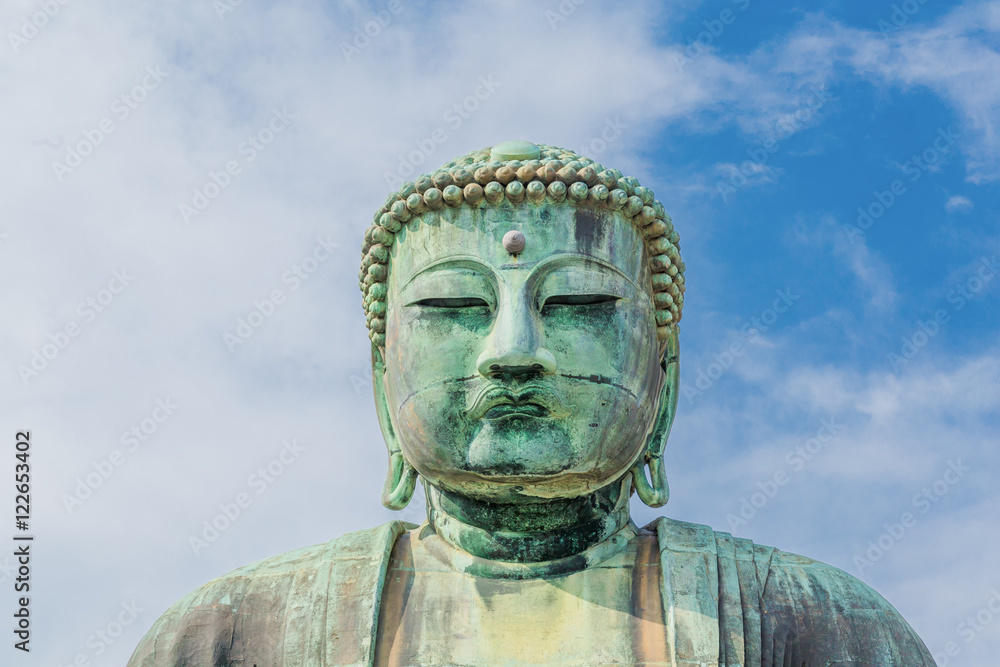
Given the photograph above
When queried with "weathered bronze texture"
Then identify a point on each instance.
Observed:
(523, 306)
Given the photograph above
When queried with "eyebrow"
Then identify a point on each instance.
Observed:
(459, 262)
(474, 263)
(568, 258)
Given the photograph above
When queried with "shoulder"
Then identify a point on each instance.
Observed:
(212, 624)
(816, 603)
(810, 612)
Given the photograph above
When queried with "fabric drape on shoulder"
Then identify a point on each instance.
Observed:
(728, 603)
(735, 603)
(311, 607)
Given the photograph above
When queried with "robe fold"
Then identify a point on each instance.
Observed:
(727, 603)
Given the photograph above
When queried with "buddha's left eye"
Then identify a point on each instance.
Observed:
(579, 299)
(452, 302)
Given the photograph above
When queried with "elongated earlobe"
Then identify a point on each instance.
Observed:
(401, 478)
(654, 490)
(400, 482)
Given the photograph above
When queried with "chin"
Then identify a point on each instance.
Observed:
(564, 485)
(505, 472)
(521, 447)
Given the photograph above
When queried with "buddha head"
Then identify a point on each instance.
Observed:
(523, 306)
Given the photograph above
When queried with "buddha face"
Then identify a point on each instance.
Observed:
(517, 377)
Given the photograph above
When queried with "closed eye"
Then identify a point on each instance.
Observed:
(579, 299)
(452, 302)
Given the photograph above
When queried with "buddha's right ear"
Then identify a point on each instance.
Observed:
(401, 478)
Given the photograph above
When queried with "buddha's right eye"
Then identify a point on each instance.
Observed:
(452, 302)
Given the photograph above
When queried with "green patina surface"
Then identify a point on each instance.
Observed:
(523, 305)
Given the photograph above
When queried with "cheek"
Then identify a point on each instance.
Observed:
(429, 360)
(423, 349)
(619, 344)
(432, 429)
(617, 341)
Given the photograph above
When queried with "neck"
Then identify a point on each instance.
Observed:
(572, 532)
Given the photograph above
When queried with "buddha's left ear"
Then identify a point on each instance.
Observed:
(401, 479)
(656, 491)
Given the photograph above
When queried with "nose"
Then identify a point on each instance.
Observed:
(514, 347)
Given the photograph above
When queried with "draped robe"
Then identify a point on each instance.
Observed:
(726, 602)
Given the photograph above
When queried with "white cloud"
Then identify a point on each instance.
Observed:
(295, 377)
(894, 437)
(958, 203)
(955, 56)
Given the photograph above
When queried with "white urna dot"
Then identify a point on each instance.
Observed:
(513, 241)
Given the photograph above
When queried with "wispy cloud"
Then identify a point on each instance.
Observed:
(367, 94)
(958, 203)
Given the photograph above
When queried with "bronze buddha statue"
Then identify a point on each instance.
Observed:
(523, 306)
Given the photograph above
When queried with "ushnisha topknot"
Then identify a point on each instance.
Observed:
(523, 174)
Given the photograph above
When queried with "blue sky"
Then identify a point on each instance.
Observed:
(762, 127)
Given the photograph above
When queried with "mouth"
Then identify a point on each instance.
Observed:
(502, 410)
(499, 403)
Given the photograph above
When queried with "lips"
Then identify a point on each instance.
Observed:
(512, 409)
(499, 402)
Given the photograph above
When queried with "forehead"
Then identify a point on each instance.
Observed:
(549, 229)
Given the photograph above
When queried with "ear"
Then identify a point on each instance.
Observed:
(656, 491)
(401, 479)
